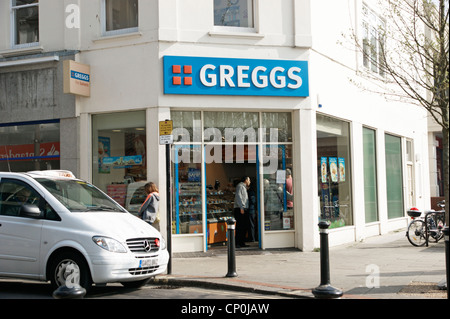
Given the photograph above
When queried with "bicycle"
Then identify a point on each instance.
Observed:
(420, 229)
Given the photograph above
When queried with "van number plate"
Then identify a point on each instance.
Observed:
(148, 262)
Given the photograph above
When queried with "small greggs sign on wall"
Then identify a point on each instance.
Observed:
(227, 76)
(77, 78)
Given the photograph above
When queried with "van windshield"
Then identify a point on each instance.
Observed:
(79, 196)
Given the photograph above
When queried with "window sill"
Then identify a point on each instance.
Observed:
(120, 36)
(241, 33)
(18, 51)
(27, 61)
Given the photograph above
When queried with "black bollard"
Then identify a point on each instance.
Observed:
(447, 253)
(231, 225)
(74, 292)
(325, 290)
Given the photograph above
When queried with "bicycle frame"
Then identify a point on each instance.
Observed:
(426, 223)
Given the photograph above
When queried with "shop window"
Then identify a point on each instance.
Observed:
(230, 150)
(187, 126)
(394, 176)
(25, 22)
(334, 173)
(233, 13)
(277, 127)
(231, 127)
(278, 187)
(30, 146)
(120, 16)
(187, 214)
(120, 157)
(370, 175)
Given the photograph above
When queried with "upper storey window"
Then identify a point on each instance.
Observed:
(373, 41)
(233, 13)
(25, 22)
(120, 16)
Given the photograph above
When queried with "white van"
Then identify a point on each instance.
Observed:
(54, 227)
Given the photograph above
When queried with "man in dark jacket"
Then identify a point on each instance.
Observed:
(241, 211)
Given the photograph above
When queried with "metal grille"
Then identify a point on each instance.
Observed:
(143, 271)
(143, 245)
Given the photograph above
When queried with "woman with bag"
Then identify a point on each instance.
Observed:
(149, 209)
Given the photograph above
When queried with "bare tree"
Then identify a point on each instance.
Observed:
(407, 59)
(409, 52)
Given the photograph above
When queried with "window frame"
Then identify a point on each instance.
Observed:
(332, 211)
(13, 35)
(368, 217)
(247, 29)
(106, 33)
(371, 22)
(262, 144)
(390, 178)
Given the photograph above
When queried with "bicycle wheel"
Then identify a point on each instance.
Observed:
(416, 233)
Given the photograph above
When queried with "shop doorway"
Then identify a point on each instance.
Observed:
(221, 179)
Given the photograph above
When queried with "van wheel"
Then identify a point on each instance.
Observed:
(70, 269)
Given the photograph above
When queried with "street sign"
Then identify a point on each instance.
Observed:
(165, 132)
(165, 128)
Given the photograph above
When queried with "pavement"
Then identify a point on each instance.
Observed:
(380, 267)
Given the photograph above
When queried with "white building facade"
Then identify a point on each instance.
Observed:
(255, 88)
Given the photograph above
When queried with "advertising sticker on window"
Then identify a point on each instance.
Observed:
(333, 169)
(341, 169)
(323, 169)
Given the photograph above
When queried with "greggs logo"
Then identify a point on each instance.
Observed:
(182, 77)
(226, 76)
(79, 76)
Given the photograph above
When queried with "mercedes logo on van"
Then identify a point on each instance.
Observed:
(147, 245)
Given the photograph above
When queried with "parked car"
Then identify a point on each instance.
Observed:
(55, 227)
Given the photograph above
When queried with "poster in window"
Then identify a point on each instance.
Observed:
(333, 169)
(341, 169)
(194, 175)
(117, 162)
(323, 169)
(104, 147)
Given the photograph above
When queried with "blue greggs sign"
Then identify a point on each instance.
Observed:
(227, 76)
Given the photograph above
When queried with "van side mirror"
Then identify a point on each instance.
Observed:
(29, 210)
